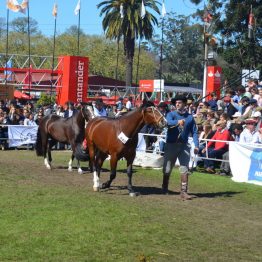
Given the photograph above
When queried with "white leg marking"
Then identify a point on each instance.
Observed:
(70, 165)
(47, 164)
(96, 182)
(80, 171)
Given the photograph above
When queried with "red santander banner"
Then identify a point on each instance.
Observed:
(146, 86)
(74, 81)
(213, 80)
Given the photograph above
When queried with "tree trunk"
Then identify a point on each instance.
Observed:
(129, 48)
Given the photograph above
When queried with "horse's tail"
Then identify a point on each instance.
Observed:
(38, 143)
(80, 154)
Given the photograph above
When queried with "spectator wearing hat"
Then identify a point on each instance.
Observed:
(216, 149)
(180, 125)
(250, 135)
(239, 94)
(250, 110)
(99, 108)
(257, 117)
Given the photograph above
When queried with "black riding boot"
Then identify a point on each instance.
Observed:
(165, 184)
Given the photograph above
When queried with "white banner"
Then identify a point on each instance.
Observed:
(246, 163)
(21, 135)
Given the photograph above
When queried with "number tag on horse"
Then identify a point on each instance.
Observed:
(123, 138)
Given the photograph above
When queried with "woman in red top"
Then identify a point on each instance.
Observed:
(217, 149)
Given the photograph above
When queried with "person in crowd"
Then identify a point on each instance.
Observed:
(213, 101)
(99, 108)
(29, 120)
(129, 103)
(60, 111)
(163, 108)
(257, 117)
(249, 112)
(239, 94)
(249, 134)
(210, 119)
(119, 104)
(225, 166)
(69, 110)
(216, 149)
(229, 108)
(259, 100)
(254, 93)
(180, 125)
(39, 117)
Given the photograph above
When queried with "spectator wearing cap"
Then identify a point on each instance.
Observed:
(216, 149)
(180, 125)
(99, 108)
(257, 117)
(250, 135)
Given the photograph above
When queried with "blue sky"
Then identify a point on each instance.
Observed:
(41, 11)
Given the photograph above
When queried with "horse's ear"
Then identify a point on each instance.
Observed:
(147, 103)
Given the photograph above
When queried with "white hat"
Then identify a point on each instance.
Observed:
(257, 114)
(237, 114)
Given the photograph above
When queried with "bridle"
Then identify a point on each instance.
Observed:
(154, 110)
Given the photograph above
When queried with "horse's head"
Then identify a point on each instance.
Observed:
(87, 112)
(153, 116)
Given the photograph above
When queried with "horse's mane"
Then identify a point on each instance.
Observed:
(147, 103)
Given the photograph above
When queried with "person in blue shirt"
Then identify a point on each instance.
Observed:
(181, 125)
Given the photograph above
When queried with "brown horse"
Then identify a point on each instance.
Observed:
(53, 129)
(118, 138)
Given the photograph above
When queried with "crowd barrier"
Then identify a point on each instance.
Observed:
(245, 159)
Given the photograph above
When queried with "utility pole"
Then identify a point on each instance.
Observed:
(205, 63)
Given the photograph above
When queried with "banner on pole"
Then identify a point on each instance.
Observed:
(151, 85)
(250, 157)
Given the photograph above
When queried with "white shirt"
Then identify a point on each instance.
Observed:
(250, 138)
(102, 112)
(128, 105)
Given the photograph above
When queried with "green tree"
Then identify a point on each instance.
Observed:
(20, 25)
(130, 27)
(182, 49)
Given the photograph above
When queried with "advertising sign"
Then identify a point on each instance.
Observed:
(213, 80)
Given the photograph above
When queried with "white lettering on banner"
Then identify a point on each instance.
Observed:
(80, 81)
(257, 173)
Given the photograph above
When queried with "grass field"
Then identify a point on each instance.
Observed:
(55, 216)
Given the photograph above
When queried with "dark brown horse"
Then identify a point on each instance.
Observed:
(118, 138)
(54, 128)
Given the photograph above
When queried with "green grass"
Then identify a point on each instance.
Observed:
(55, 216)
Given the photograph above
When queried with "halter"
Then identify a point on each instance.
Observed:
(153, 110)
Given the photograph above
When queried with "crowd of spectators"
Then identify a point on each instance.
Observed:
(234, 117)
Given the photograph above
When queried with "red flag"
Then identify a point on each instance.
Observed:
(251, 22)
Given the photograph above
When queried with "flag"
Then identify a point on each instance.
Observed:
(13, 5)
(163, 9)
(24, 6)
(121, 11)
(54, 12)
(78, 7)
(251, 20)
(143, 10)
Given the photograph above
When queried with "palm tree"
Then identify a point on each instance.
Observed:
(130, 27)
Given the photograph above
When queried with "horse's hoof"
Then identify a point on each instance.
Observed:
(48, 167)
(96, 189)
(70, 169)
(80, 171)
(104, 186)
(134, 194)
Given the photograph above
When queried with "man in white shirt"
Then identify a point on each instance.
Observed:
(129, 104)
(250, 135)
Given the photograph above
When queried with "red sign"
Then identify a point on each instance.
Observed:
(213, 80)
(146, 86)
(75, 79)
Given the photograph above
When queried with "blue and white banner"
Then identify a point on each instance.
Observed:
(21, 135)
(246, 162)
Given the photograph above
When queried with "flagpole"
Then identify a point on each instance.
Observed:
(161, 58)
(78, 33)
(7, 45)
(29, 48)
(137, 68)
(53, 62)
